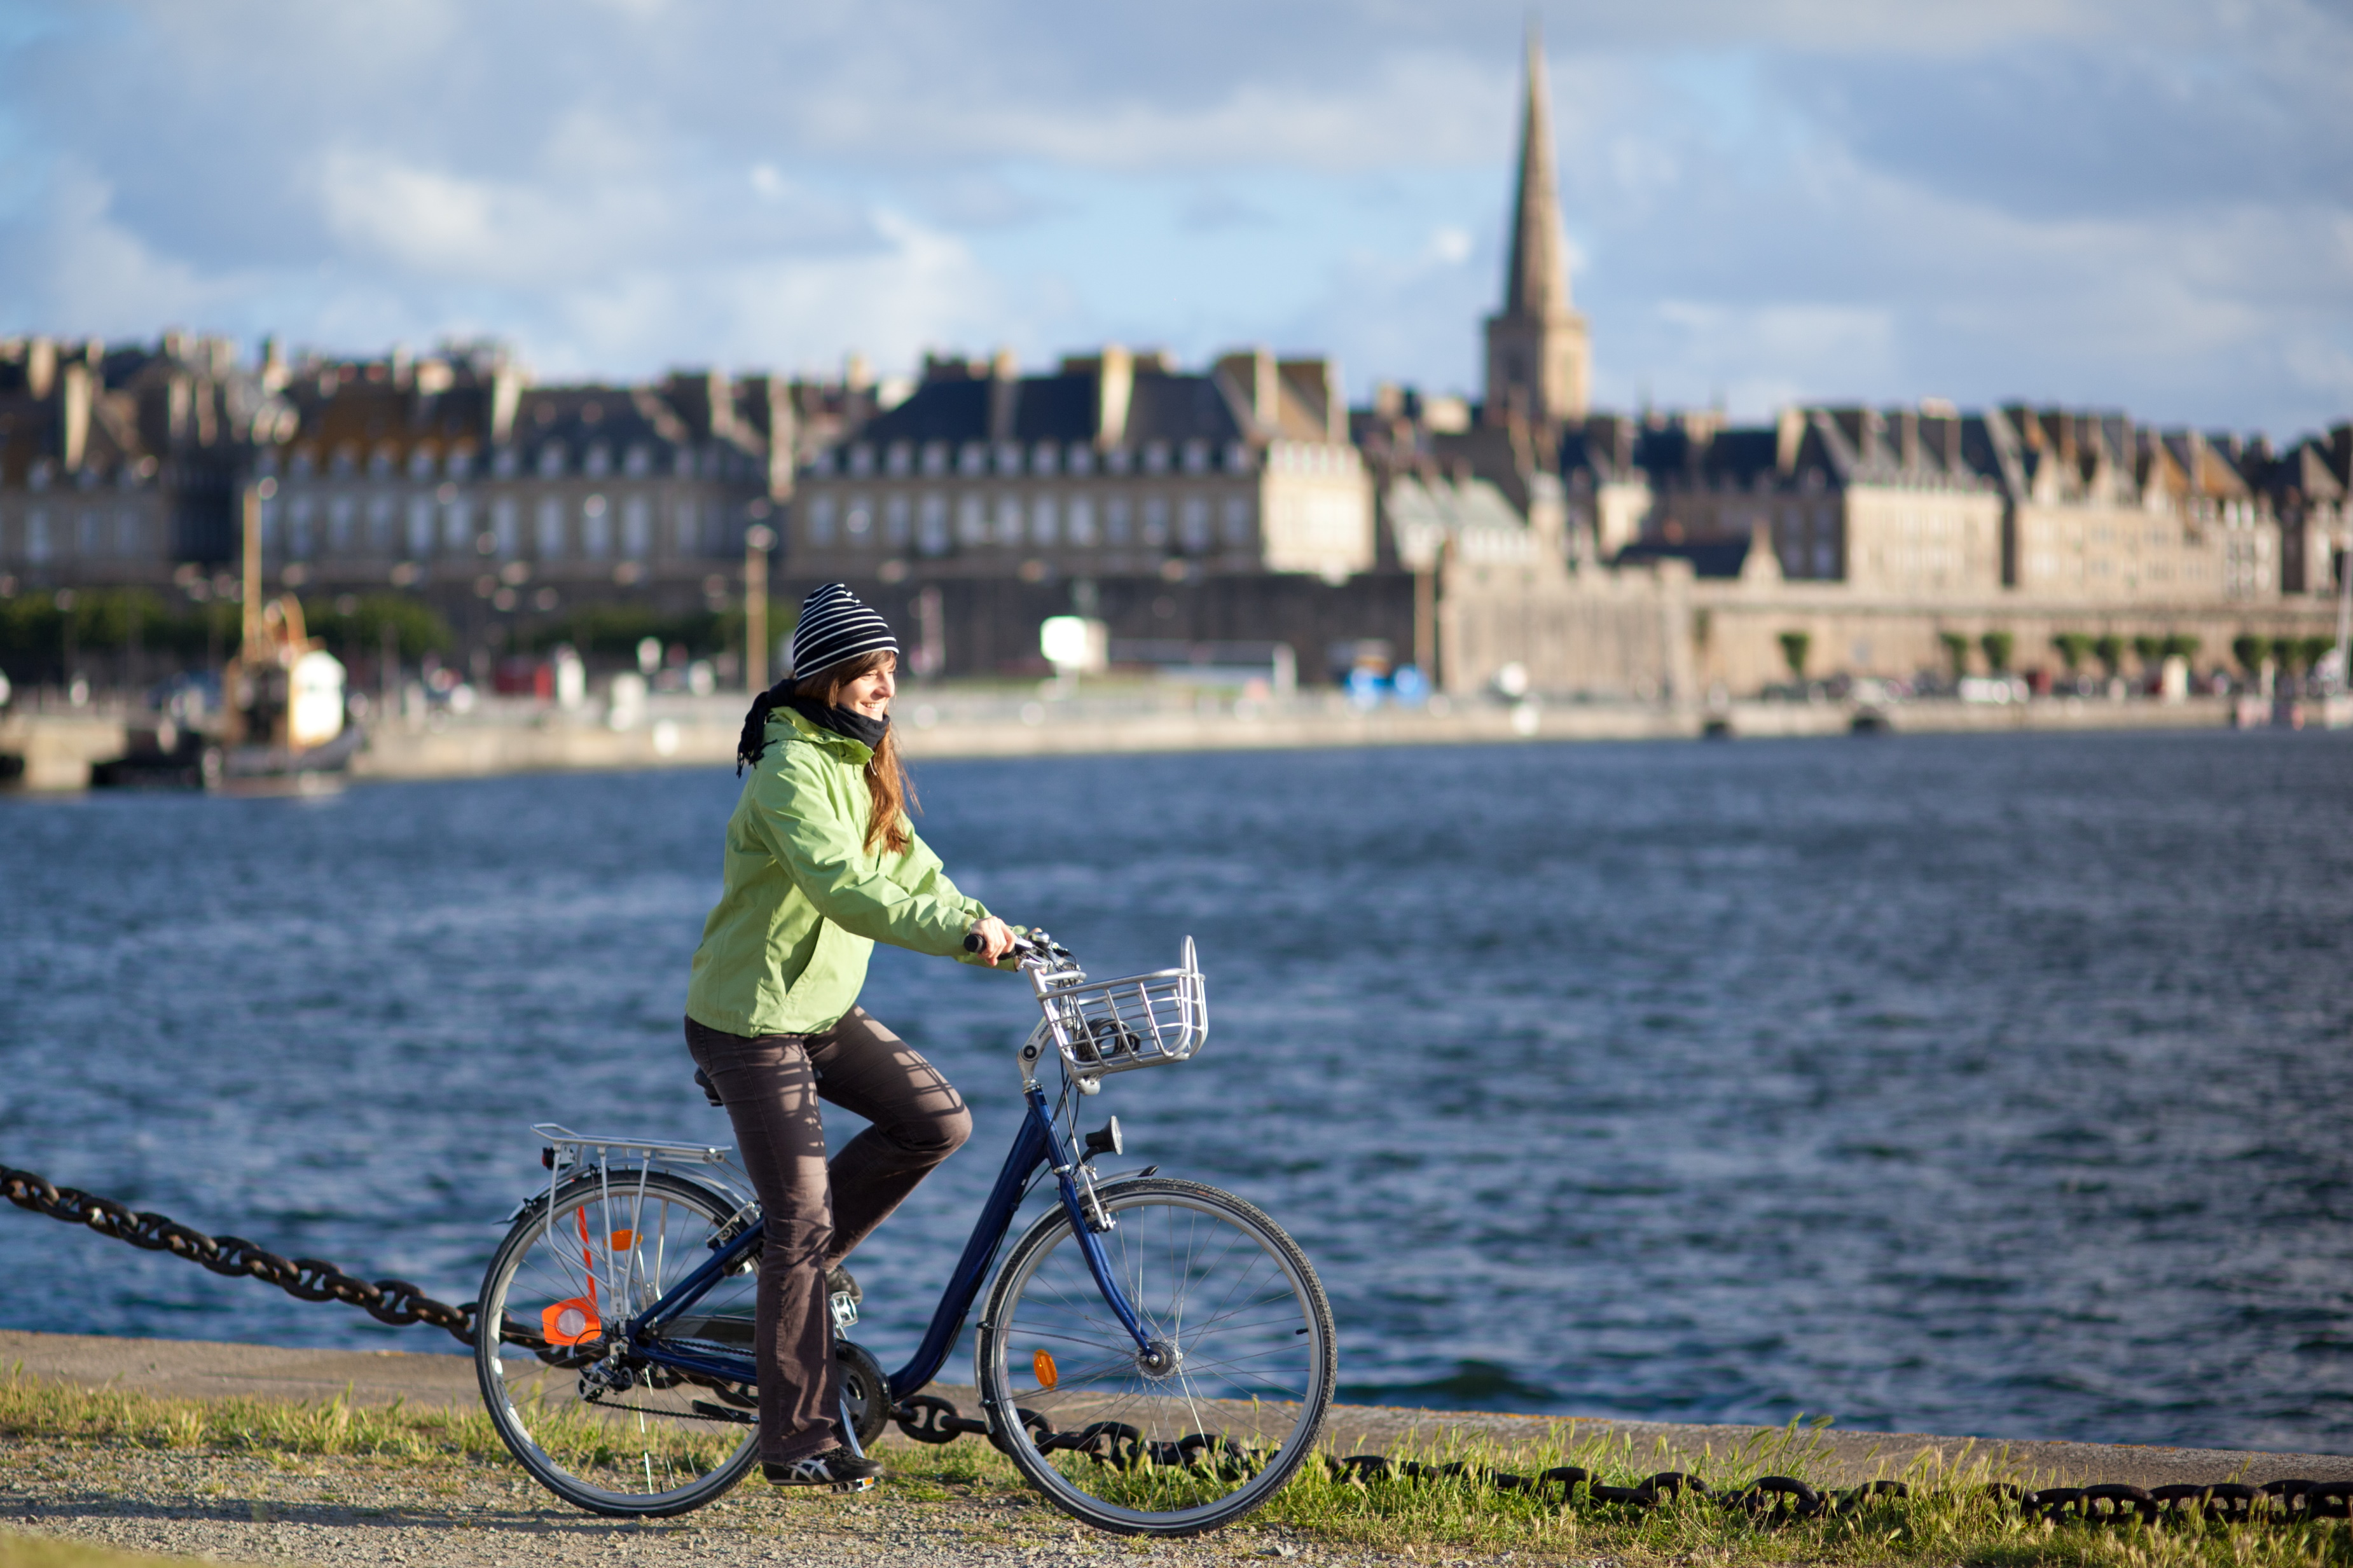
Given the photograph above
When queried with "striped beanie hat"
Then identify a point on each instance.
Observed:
(836, 625)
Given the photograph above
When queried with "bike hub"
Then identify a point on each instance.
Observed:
(1159, 1359)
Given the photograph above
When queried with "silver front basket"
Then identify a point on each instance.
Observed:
(1141, 1021)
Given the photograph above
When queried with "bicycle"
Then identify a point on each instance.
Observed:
(1175, 1336)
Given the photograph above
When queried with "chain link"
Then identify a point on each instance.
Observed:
(927, 1419)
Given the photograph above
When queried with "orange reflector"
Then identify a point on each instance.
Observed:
(623, 1239)
(569, 1322)
(1042, 1364)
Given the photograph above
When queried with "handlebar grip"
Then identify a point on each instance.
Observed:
(972, 941)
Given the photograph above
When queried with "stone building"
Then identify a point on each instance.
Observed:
(1116, 464)
(119, 464)
(1538, 360)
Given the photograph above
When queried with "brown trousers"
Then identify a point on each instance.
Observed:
(815, 1214)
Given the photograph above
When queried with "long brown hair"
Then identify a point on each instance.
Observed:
(888, 788)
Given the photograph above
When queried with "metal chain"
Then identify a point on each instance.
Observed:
(927, 1419)
(395, 1302)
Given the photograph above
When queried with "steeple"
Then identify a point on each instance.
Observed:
(1538, 360)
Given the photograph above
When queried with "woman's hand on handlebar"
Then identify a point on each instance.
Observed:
(991, 938)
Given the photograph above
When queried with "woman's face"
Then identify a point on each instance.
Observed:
(871, 693)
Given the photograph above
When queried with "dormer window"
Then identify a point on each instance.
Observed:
(1155, 456)
(551, 460)
(640, 461)
(505, 463)
(898, 457)
(302, 463)
(420, 463)
(346, 461)
(1008, 457)
(935, 456)
(43, 471)
(1197, 457)
(267, 463)
(1118, 460)
(1082, 458)
(380, 464)
(683, 464)
(1238, 460)
(461, 462)
(973, 458)
(599, 461)
(861, 459)
(1043, 458)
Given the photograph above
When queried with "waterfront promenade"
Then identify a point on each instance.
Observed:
(56, 749)
(334, 1509)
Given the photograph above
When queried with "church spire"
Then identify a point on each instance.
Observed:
(1539, 361)
(1536, 279)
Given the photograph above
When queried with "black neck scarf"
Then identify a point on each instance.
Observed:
(856, 726)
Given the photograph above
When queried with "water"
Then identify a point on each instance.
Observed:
(1984, 1084)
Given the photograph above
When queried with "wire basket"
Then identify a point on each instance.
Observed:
(1141, 1021)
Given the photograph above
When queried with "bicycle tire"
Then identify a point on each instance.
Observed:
(1265, 1354)
(661, 1445)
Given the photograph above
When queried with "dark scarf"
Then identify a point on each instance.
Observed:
(856, 726)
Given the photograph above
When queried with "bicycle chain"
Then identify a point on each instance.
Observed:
(927, 1419)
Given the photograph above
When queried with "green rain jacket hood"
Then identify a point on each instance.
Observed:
(804, 902)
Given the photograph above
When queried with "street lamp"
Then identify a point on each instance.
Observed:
(758, 540)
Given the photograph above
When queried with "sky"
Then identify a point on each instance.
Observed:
(2144, 205)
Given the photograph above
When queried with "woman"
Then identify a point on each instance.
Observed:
(821, 864)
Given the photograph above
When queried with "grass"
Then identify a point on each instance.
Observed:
(41, 1552)
(1946, 1522)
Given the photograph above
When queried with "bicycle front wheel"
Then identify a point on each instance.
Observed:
(616, 1435)
(1209, 1421)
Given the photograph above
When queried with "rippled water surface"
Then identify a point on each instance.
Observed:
(1987, 1085)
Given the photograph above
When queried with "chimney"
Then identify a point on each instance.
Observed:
(506, 396)
(75, 414)
(1320, 380)
(1255, 375)
(1114, 390)
(40, 366)
(1004, 395)
(274, 372)
(1907, 438)
(1788, 438)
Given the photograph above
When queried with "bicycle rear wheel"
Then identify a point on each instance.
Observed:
(619, 1436)
(1209, 1423)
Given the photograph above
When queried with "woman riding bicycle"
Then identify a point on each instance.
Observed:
(822, 863)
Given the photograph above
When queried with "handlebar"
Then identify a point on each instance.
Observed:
(1036, 948)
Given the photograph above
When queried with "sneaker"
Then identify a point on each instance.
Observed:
(837, 1467)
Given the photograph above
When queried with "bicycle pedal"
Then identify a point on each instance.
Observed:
(862, 1484)
(845, 1311)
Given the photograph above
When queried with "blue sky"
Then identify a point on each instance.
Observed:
(2138, 203)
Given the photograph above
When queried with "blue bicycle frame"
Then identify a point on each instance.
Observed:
(1036, 1143)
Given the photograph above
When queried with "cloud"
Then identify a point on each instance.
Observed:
(2128, 201)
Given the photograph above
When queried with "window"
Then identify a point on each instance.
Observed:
(1155, 520)
(87, 541)
(900, 458)
(1116, 460)
(1044, 458)
(339, 518)
(505, 463)
(973, 458)
(298, 529)
(1008, 457)
(931, 525)
(380, 465)
(268, 525)
(461, 462)
(1238, 520)
(38, 547)
(346, 462)
(267, 463)
(1041, 520)
(861, 459)
(1193, 527)
(380, 521)
(300, 467)
(1238, 457)
(599, 461)
(506, 528)
(129, 535)
(858, 521)
(595, 528)
(420, 525)
(1117, 521)
(935, 456)
(551, 528)
(637, 528)
(898, 524)
(1008, 519)
(682, 529)
(420, 463)
(551, 460)
(458, 523)
(821, 521)
(1155, 456)
(971, 520)
(683, 465)
(1083, 458)
(640, 462)
(1197, 457)
(1082, 520)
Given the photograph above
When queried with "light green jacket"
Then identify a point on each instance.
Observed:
(803, 904)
